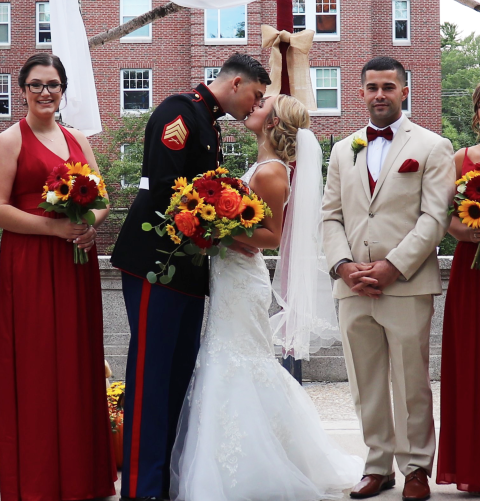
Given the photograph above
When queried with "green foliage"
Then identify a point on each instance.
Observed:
(447, 245)
(246, 149)
(460, 76)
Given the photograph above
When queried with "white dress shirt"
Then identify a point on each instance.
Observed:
(377, 150)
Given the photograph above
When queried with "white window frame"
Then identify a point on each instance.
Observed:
(227, 116)
(402, 41)
(123, 184)
(9, 24)
(7, 116)
(311, 22)
(408, 111)
(150, 97)
(225, 41)
(327, 112)
(208, 80)
(136, 39)
(41, 45)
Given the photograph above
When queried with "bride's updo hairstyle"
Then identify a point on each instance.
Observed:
(292, 115)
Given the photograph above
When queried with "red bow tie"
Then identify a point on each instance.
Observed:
(372, 134)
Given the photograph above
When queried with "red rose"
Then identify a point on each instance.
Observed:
(187, 223)
(198, 240)
(209, 189)
(229, 204)
(84, 190)
(59, 173)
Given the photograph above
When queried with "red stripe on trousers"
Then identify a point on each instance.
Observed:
(139, 376)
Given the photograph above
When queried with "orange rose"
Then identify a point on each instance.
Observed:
(230, 204)
(187, 223)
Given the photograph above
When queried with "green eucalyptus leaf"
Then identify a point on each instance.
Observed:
(171, 270)
(163, 252)
(89, 218)
(147, 227)
(160, 231)
(223, 252)
(227, 240)
(179, 254)
(165, 279)
(152, 277)
(213, 251)
(190, 249)
(159, 214)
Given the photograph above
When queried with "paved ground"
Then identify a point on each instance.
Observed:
(334, 404)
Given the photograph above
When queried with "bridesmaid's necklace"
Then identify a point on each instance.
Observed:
(45, 137)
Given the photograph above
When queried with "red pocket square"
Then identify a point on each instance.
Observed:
(409, 165)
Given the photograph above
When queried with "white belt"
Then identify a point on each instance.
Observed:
(144, 183)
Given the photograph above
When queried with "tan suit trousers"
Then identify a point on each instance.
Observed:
(391, 333)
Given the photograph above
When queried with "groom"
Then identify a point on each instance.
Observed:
(384, 213)
(182, 139)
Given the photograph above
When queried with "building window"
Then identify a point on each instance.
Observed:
(136, 93)
(211, 74)
(44, 35)
(321, 16)
(133, 8)
(226, 26)
(407, 104)
(326, 88)
(5, 96)
(5, 24)
(401, 21)
(231, 149)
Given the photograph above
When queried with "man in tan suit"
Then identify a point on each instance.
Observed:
(384, 214)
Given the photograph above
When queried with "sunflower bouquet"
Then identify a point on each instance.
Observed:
(74, 190)
(205, 213)
(466, 204)
(115, 397)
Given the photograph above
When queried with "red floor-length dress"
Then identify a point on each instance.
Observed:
(55, 438)
(459, 444)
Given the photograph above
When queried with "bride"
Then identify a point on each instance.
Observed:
(248, 431)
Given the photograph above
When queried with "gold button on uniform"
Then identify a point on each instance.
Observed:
(197, 96)
(215, 108)
(208, 147)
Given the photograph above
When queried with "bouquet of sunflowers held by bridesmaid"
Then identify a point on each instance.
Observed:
(466, 205)
(204, 213)
(74, 190)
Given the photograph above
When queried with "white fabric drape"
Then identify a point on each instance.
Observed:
(70, 44)
(212, 4)
(302, 284)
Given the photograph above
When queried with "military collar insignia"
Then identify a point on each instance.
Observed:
(210, 101)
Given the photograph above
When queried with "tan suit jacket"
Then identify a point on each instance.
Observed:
(405, 218)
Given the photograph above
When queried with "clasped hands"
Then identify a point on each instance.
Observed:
(368, 279)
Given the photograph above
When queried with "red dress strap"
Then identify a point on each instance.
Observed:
(468, 165)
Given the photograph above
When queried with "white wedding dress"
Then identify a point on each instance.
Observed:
(248, 431)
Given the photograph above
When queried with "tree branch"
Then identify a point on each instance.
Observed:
(133, 24)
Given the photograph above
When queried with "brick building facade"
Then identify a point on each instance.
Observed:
(176, 52)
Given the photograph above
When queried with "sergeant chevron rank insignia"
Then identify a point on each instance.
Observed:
(175, 134)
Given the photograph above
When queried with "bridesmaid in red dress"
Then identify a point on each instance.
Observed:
(55, 439)
(459, 445)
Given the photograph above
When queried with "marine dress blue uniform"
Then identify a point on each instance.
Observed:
(182, 139)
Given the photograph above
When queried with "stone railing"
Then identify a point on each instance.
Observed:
(326, 365)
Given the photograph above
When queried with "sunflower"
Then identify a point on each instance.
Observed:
(45, 191)
(170, 229)
(467, 177)
(78, 169)
(209, 174)
(208, 212)
(180, 184)
(221, 170)
(469, 212)
(175, 239)
(187, 189)
(102, 188)
(63, 190)
(253, 212)
(84, 191)
(191, 202)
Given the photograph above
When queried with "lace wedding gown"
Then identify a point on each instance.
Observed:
(248, 431)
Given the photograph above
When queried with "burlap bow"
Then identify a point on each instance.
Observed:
(297, 63)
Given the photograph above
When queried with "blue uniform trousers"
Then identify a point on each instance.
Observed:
(165, 337)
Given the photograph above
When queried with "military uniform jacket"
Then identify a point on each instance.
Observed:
(182, 139)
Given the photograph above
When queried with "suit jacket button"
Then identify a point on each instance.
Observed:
(365, 243)
(371, 214)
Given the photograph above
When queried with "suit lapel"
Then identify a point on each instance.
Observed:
(399, 141)
(361, 164)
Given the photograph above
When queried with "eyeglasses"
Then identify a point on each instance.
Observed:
(37, 88)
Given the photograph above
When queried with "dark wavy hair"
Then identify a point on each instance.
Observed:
(247, 66)
(476, 107)
(42, 59)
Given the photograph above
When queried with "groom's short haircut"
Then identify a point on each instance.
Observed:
(246, 66)
(384, 63)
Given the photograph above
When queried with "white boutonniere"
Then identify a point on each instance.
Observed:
(357, 146)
